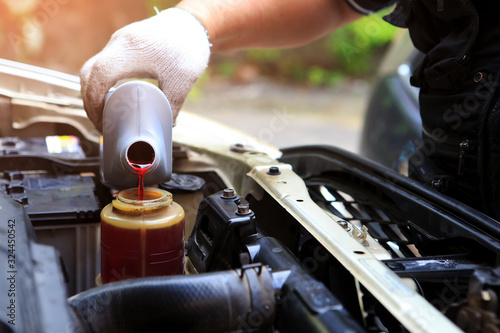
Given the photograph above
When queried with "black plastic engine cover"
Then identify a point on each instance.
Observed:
(32, 292)
(218, 230)
(223, 238)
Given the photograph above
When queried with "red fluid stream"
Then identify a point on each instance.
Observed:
(141, 170)
(130, 248)
(140, 156)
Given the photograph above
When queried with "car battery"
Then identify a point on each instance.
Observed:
(56, 183)
(57, 146)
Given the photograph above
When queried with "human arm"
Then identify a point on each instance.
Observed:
(173, 46)
(243, 24)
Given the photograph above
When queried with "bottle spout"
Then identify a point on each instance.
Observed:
(137, 135)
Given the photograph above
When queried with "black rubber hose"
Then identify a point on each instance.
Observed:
(210, 302)
(306, 305)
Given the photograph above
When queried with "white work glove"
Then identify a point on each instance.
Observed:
(172, 47)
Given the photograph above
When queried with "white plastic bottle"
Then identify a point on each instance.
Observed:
(136, 136)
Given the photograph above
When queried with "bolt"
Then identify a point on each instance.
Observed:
(343, 224)
(243, 209)
(274, 171)
(478, 77)
(436, 183)
(228, 193)
(240, 148)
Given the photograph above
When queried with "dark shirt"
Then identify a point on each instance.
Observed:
(458, 78)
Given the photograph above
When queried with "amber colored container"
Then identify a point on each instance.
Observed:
(141, 237)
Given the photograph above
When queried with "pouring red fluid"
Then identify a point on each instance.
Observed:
(142, 231)
(141, 170)
(140, 156)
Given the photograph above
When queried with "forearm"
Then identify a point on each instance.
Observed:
(244, 24)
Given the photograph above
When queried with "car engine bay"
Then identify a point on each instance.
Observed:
(303, 239)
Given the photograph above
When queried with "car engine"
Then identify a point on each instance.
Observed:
(304, 239)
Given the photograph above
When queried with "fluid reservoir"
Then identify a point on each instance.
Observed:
(141, 237)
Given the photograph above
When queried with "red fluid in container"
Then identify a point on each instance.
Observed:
(141, 237)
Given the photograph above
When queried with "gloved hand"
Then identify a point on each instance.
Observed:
(172, 47)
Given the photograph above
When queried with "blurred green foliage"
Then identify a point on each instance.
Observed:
(356, 47)
(227, 68)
